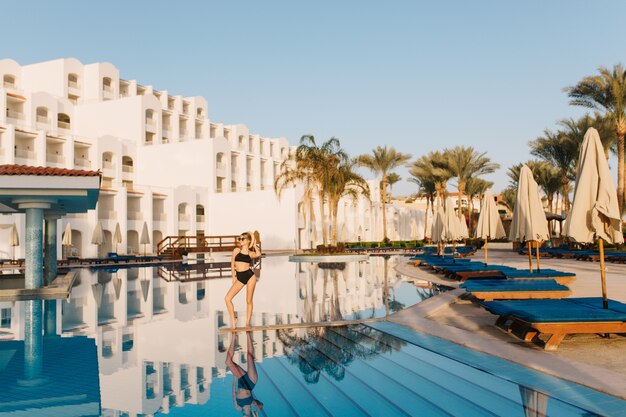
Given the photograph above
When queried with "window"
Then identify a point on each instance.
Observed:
(5, 318)
(8, 81)
(72, 80)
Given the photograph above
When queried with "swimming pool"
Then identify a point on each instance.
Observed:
(128, 342)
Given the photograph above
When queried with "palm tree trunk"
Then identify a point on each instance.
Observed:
(311, 216)
(383, 186)
(461, 191)
(620, 171)
(426, 216)
(323, 219)
(333, 210)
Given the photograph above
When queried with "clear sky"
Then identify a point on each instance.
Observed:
(418, 76)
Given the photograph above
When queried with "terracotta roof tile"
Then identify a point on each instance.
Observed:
(45, 171)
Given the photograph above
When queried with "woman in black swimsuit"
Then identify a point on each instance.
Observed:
(243, 381)
(243, 275)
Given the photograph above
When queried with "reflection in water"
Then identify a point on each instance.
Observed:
(244, 381)
(151, 345)
(44, 374)
(331, 350)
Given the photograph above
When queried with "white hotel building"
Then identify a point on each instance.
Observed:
(163, 162)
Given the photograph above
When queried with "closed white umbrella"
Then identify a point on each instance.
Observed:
(489, 222)
(144, 239)
(67, 239)
(529, 220)
(15, 240)
(436, 232)
(451, 224)
(117, 236)
(67, 236)
(595, 211)
(463, 228)
(98, 235)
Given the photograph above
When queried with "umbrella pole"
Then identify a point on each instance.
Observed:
(538, 266)
(605, 302)
(530, 256)
(486, 251)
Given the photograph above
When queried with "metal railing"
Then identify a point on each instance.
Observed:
(24, 153)
(108, 165)
(134, 215)
(128, 168)
(57, 159)
(43, 119)
(82, 162)
(14, 114)
(183, 217)
(63, 125)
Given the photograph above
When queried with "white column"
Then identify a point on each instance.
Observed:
(34, 247)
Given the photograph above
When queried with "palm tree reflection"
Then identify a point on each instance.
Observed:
(330, 350)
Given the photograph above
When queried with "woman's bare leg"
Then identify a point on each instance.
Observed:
(236, 287)
(230, 364)
(250, 358)
(249, 294)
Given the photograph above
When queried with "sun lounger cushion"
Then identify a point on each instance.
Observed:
(545, 273)
(559, 310)
(499, 285)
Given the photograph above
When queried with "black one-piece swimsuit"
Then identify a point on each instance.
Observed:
(244, 276)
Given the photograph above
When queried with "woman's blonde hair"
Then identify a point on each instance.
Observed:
(250, 237)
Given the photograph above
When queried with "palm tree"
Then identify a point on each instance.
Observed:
(319, 162)
(465, 163)
(392, 178)
(508, 197)
(295, 170)
(382, 161)
(427, 188)
(475, 187)
(343, 181)
(433, 167)
(606, 92)
(561, 151)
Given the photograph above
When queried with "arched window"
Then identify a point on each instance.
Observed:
(9, 80)
(72, 80)
(127, 164)
(63, 121)
(107, 84)
(42, 115)
(107, 160)
(219, 161)
(149, 116)
(199, 213)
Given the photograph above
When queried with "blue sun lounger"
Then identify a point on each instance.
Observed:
(558, 318)
(504, 289)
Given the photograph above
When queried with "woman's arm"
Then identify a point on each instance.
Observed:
(255, 251)
(232, 264)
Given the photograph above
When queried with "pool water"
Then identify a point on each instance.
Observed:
(134, 342)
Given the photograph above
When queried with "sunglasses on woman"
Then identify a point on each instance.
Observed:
(241, 238)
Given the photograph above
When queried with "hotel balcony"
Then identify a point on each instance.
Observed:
(64, 125)
(199, 221)
(108, 169)
(220, 170)
(42, 121)
(127, 172)
(108, 219)
(15, 114)
(151, 125)
(82, 163)
(73, 87)
(159, 220)
(135, 220)
(55, 159)
(184, 221)
(108, 93)
(26, 155)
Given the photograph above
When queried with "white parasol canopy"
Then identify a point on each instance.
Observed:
(117, 236)
(463, 227)
(436, 233)
(529, 220)
(67, 236)
(451, 225)
(595, 211)
(489, 223)
(98, 235)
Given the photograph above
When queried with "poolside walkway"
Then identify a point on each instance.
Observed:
(588, 360)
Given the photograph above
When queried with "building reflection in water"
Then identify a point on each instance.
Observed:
(44, 374)
(157, 340)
